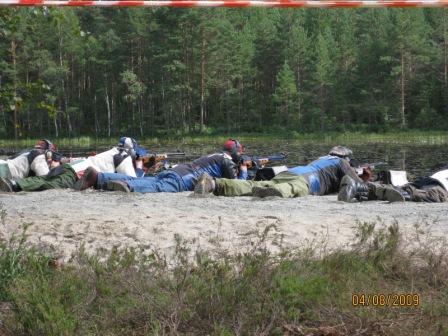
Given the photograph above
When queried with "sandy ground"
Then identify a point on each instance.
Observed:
(61, 221)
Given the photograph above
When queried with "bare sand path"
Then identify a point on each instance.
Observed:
(61, 221)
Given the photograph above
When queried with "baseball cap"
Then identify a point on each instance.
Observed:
(127, 143)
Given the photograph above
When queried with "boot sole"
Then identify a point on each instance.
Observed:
(343, 196)
(84, 180)
(115, 186)
(5, 186)
(202, 187)
(392, 195)
(343, 192)
(265, 192)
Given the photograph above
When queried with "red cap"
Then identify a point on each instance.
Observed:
(45, 144)
(232, 146)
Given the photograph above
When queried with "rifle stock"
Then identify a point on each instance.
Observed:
(360, 168)
(255, 163)
(152, 159)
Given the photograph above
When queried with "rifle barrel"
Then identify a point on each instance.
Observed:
(275, 157)
(374, 164)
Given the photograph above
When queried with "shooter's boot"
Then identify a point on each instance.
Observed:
(388, 193)
(8, 185)
(430, 193)
(265, 192)
(352, 191)
(87, 180)
(204, 184)
(118, 186)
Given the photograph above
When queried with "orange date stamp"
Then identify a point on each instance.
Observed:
(386, 300)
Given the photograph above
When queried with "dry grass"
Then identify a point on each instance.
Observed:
(251, 292)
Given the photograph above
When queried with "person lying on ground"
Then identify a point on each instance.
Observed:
(118, 159)
(320, 177)
(34, 162)
(226, 163)
(430, 189)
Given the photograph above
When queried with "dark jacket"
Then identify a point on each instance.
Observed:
(216, 165)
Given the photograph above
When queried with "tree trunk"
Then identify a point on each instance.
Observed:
(299, 91)
(202, 112)
(16, 117)
(321, 108)
(403, 122)
(64, 92)
(97, 126)
(55, 122)
(108, 112)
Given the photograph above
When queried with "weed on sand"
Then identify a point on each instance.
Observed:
(379, 286)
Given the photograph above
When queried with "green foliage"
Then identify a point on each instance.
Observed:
(43, 304)
(219, 292)
(14, 257)
(155, 71)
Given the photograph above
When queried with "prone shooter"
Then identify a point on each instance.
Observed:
(159, 162)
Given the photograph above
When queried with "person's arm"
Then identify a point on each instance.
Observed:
(242, 172)
(139, 170)
(349, 170)
(230, 170)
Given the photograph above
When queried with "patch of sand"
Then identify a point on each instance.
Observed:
(61, 221)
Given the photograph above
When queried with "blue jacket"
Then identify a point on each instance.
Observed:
(324, 174)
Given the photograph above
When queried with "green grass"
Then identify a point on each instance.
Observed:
(213, 292)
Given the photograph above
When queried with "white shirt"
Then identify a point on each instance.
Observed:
(442, 177)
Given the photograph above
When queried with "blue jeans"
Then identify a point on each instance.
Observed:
(166, 181)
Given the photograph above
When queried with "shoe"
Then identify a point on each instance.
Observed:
(87, 180)
(6, 185)
(389, 194)
(118, 186)
(352, 191)
(265, 192)
(204, 184)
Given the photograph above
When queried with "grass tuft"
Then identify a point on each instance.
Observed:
(382, 285)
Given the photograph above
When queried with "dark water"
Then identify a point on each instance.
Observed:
(417, 157)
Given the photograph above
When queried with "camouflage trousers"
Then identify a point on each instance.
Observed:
(435, 194)
(288, 184)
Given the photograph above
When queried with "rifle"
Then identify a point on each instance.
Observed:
(151, 159)
(371, 166)
(256, 163)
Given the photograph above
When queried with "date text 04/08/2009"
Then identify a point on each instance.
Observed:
(383, 300)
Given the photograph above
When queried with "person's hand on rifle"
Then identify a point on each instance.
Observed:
(243, 166)
(139, 163)
(366, 174)
(248, 162)
(148, 161)
(159, 166)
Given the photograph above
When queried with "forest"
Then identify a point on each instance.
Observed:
(155, 71)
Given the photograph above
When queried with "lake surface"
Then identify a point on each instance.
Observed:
(416, 157)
